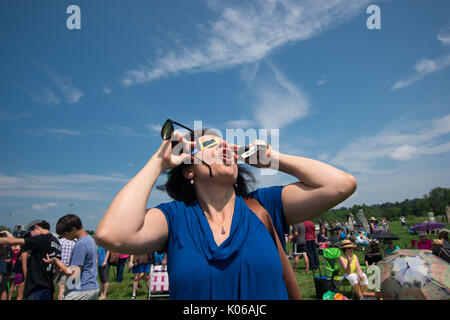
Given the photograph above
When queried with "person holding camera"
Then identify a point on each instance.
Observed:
(42, 243)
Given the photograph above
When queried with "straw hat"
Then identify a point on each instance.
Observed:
(347, 244)
(372, 219)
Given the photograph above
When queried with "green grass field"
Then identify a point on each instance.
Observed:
(123, 290)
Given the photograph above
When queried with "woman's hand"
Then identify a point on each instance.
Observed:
(261, 159)
(172, 157)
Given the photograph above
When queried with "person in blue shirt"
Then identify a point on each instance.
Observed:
(103, 271)
(390, 247)
(83, 260)
(217, 248)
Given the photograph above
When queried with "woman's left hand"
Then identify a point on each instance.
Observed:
(261, 159)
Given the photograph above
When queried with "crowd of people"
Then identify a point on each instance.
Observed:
(308, 243)
(34, 264)
(37, 263)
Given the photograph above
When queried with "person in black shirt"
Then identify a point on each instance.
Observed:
(38, 238)
(373, 255)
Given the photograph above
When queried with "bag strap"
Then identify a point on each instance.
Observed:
(288, 273)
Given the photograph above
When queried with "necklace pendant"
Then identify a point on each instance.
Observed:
(223, 231)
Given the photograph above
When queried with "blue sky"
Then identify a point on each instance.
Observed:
(80, 110)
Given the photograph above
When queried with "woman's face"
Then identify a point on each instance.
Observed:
(220, 156)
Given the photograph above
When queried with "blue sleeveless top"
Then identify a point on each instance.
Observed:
(246, 266)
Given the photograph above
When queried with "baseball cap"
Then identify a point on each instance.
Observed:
(32, 224)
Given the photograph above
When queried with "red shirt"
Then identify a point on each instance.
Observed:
(310, 231)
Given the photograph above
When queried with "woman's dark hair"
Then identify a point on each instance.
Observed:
(180, 188)
(66, 223)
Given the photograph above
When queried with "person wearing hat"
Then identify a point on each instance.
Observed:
(422, 244)
(353, 273)
(42, 243)
(373, 225)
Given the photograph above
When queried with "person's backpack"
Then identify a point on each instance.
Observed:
(113, 258)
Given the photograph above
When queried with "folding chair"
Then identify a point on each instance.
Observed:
(159, 281)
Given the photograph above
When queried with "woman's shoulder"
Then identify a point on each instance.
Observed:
(260, 193)
(174, 206)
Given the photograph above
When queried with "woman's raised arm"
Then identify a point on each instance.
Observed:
(127, 225)
(320, 187)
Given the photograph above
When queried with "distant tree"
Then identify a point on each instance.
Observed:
(3, 228)
(439, 198)
(435, 201)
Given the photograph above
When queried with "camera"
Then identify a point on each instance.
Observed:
(245, 152)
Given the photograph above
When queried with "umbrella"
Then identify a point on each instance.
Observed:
(428, 226)
(335, 229)
(414, 275)
(384, 236)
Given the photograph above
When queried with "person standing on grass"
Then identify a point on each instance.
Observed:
(299, 243)
(39, 278)
(66, 252)
(403, 221)
(20, 273)
(311, 245)
(121, 266)
(83, 260)
(140, 266)
(103, 271)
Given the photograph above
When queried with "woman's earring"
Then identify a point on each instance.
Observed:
(192, 181)
(235, 185)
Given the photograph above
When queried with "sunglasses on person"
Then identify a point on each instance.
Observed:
(168, 129)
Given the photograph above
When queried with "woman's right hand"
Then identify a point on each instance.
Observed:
(172, 157)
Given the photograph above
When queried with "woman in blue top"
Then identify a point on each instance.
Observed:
(217, 248)
(390, 247)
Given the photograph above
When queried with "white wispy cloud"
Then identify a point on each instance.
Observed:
(58, 133)
(68, 186)
(278, 102)
(444, 36)
(45, 96)
(239, 124)
(106, 91)
(62, 132)
(125, 131)
(402, 141)
(424, 68)
(64, 85)
(154, 127)
(41, 207)
(322, 80)
(246, 33)
(7, 115)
